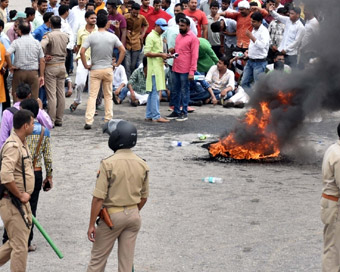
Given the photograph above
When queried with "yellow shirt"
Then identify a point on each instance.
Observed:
(102, 6)
(81, 37)
(123, 179)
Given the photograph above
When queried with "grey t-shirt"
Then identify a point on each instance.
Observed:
(102, 45)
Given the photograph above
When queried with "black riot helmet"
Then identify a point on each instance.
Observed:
(123, 134)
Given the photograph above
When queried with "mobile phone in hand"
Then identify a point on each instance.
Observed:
(46, 186)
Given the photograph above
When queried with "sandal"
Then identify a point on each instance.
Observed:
(73, 106)
(96, 113)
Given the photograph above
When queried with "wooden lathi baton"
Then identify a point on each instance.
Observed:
(47, 237)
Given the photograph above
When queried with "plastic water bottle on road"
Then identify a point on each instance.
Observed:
(179, 143)
(212, 180)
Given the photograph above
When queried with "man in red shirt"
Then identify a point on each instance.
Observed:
(146, 9)
(199, 18)
(243, 19)
(156, 14)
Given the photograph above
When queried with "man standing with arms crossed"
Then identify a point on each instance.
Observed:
(102, 44)
(330, 207)
(14, 154)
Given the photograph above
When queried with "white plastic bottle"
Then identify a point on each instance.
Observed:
(179, 143)
(212, 180)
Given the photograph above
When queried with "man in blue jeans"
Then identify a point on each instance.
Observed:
(183, 70)
(257, 52)
(155, 79)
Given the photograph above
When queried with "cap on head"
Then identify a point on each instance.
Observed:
(122, 133)
(162, 23)
(19, 15)
(244, 4)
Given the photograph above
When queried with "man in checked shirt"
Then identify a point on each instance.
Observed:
(44, 152)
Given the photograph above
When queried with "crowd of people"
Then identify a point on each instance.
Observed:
(231, 45)
(187, 53)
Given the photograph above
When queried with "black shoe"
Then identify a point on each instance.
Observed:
(114, 98)
(58, 124)
(87, 126)
(196, 103)
(239, 105)
(135, 103)
(172, 116)
(228, 104)
(181, 118)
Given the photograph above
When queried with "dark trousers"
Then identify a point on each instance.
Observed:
(69, 61)
(38, 179)
(216, 49)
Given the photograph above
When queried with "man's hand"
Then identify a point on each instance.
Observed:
(283, 52)
(13, 68)
(24, 197)
(88, 67)
(49, 180)
(249, 34)
(41, 81)
(132, 96)
(191, 77)
(274, 48)
(222, 50)
(165, 56)
(40, 103)
(254, 8)
(91, 233)
(214, 101)
(48, 58)
(172, 50)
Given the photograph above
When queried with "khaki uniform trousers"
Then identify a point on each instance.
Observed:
(97, 77)
(55, 75)
(16, 248)
(26, 76)
(126, 227)
(331, 234)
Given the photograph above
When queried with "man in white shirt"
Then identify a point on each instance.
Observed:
(179, 9)
(78, 13)
(65, 27)
(311, 30)
(292, 36)
(257, 51)
(39, 13)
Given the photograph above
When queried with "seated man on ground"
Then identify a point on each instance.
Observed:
(119, 79)
(201, 92)
(136, 87)
(238, 100)
(279, 64)
(221, 79)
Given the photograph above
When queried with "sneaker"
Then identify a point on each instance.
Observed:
(87, 126)
(173, 115)
(190, 109)
(196, 103)
(58, 124)
(181, 118)
(239, 105)
(32, 248)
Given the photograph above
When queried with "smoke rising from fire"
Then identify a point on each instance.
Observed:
(310, 91)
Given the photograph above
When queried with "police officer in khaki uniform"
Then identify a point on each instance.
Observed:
(122, 187)
(15, 152)
(330, 214)
(54, 45)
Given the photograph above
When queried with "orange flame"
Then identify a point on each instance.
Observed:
(266, 144)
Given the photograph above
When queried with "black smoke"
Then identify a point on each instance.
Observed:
(315, 88)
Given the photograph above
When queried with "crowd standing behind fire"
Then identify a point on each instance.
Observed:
(188, 53)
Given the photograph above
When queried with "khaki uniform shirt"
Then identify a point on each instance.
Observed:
(11, 169)
(55, 44)
(331, 170)
(134, 28)
(123, 179)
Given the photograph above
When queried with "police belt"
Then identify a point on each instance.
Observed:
(330, 197)
(121, 209)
